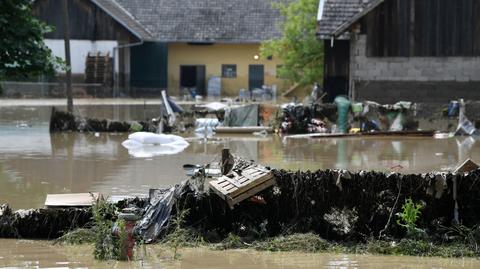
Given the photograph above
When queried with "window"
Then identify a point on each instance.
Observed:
(229, 70)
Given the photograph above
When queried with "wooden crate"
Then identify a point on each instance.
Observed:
(238, 186)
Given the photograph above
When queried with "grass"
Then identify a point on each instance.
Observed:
(308, 242)
(312, 243)
(462, 242)
(412, 247)
(77, 237)
(180, 236)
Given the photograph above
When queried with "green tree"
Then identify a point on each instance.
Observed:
(22, 50)
(299, 49)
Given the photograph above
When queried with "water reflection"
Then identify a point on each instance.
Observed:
(34, 162)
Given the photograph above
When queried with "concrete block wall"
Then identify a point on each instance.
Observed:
(387, 79)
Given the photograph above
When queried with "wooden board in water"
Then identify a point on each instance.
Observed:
(243, 130)
(71, 199)
(386, 133)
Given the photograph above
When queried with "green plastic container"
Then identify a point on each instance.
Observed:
(343, 106)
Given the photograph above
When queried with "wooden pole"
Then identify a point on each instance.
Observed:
(68, 73)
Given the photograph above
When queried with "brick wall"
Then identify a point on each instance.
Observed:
(421, 79)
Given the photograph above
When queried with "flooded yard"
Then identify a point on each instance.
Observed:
(40, 254)
(34, 162)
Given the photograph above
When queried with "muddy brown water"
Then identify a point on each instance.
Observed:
(34, 163)
(42, 254)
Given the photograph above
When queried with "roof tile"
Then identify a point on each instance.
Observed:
(245, 21)
(338, 12)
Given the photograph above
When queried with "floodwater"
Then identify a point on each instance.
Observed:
(34, 163)
(42, 254)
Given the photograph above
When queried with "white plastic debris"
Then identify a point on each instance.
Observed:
(215, 106)
(156, 139)
(147, 145)
(150, 151)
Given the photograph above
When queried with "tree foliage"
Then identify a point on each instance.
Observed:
(299, 49)
(22, 50)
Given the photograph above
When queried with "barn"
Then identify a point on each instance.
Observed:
(411, 50)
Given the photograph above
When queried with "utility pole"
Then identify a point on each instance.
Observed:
(68, 73)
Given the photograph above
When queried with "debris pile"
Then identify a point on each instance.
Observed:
(334, 204)
(45, 223)
(298, 119)
(339, 204)
(61, 121)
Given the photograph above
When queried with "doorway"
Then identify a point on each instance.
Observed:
(193, 77)
(255, 76)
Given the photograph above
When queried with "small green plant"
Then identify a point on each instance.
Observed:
(232, 241)
(104, 216)
(409, 216)
(179, 235)
(120, 240)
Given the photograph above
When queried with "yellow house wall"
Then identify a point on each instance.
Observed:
(213, 56)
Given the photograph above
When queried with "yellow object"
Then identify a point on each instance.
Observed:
(213, 56)
(354, 130)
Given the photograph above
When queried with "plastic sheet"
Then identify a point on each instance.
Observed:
(157, 214)
(149, 151)
(147, 145)
(156, 139)
(242, 116)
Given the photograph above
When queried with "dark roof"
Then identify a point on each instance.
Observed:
(338, 15)
(123, 17)
(229, 21)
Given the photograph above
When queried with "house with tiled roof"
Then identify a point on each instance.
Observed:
(172, 44)
(391, 50)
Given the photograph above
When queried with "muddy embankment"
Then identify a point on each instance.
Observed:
(44, 223)
(341, 205)
(337, 205)
(420, 116)
(61, 121)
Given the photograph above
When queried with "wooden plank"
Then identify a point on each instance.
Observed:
(383, 133)
(249, 193)
(476, 28)
(236, 187)
(243, 129)
(238, 191)
(218, 188)
(71, 199)
(467, 166)
(219, 192)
